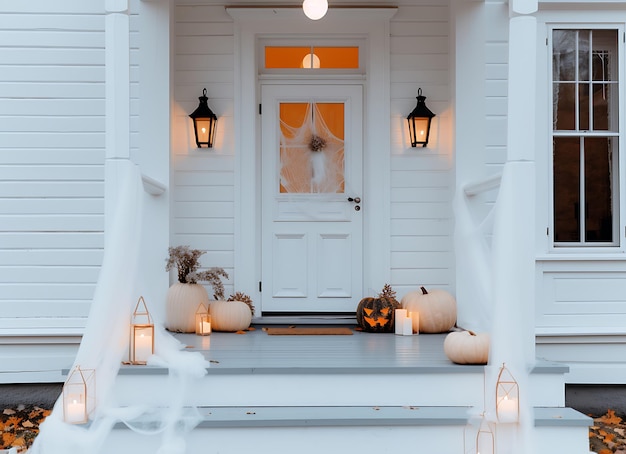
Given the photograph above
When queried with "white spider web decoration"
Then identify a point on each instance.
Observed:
(303, 170)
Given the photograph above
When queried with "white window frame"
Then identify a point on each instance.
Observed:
(581, 20)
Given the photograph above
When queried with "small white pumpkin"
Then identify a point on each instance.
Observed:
(437, 309)
(182, 302)
(467, 347)
(229, 316)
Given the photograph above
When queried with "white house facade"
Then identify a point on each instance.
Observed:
(86, 86)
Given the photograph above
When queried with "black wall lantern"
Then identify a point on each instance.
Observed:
(419, 122)
(204, 122)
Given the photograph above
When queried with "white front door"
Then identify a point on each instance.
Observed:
(312, 178)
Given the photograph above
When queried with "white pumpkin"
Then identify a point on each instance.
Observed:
(467, 347)
(230, 316)
(437, 309)
(181, 306)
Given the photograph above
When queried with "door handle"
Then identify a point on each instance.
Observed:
(355, 199)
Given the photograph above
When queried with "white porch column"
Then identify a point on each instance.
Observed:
(154, 147)
(117, 105)
(513, 338)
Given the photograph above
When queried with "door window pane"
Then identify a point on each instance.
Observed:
(312, 147)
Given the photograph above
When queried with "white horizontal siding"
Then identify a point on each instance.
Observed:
(203, 213)
(422, 179)
(421, 224)
(51, 162)
(581, 295)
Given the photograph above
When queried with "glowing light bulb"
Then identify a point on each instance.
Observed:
(311, 61)
(315, 9)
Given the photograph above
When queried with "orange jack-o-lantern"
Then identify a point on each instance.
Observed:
(377, 315)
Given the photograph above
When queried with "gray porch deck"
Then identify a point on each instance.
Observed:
(257, 352)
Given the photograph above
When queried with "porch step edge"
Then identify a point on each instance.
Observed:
(224, 417)
(560, 416)
(217, 370)
(228, 417)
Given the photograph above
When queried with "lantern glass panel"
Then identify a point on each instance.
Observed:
(203, 321)
(419, 130)
(142, 343)
(507, 397)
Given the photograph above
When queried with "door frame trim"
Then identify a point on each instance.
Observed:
(252, 23)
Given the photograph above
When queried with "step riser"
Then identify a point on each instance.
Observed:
(305, 390)
(310, 440)
(325, 389)
(339, 440)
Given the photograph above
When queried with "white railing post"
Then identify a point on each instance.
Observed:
(513, 338)
(117, 105)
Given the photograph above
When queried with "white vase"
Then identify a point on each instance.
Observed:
(181, 306)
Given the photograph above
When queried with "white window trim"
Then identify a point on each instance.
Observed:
(577, 20)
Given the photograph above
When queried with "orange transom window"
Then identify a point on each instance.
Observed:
(279, 57)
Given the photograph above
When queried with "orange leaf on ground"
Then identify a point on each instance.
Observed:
(605, 451)
(610, 418)
(7, 439)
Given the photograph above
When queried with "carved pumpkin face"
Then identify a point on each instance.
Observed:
(376, 314)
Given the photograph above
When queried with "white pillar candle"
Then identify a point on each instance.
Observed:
(407, 326)
(400, 315)
(507, 410)
(415, 317)
(143, 347)
(206, 328)
(75, 411)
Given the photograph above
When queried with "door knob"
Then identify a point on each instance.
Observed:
(355, 199)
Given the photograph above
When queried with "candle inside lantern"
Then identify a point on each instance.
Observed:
(143, 345)
(75, 410)
(508, 410)
(206, 328)
(415, 317)
(400, 315)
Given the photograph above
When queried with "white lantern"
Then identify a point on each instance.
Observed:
(203, 321)
(141, 334)
(507, 397)
(79, 395)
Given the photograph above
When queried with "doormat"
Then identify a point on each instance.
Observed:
(308, 331)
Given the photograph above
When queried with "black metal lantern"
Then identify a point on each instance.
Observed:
(204, 122)
(419, 122)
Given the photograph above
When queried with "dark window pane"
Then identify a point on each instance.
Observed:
(564, 106)
(598, 190)
(604, 55)
(564, 55)
(601, 96)
(583, 107)
(583, 54)
(566, 189)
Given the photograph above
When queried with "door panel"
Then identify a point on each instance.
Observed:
(311, 164)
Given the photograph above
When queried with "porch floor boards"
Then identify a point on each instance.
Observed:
(258, 352)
